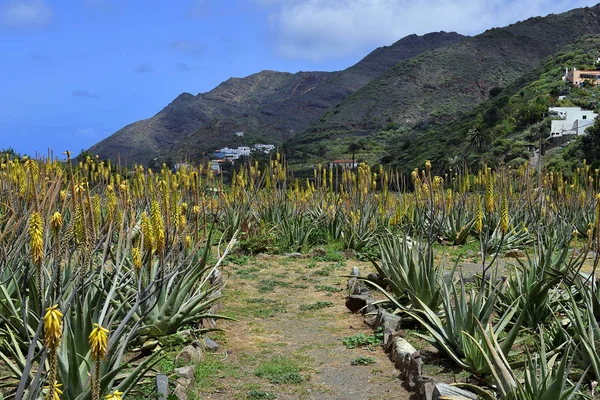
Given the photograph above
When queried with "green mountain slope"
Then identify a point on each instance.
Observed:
(437, 86)
(505, 128)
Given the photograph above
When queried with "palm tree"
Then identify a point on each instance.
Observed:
(479, 138)
(454, 163)
(356, 145)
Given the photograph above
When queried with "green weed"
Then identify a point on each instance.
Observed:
(362, 361)
(280, 370)
(269, 285)
(327, 288)
(316, 306)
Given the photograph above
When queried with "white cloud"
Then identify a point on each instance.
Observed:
(322, 29)
(26, 14)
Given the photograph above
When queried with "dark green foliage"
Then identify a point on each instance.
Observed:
(591, 145)
(327, 288)
(280, 370)
(269, 285)
(504, 128)
(362, 360)
(316, 306)
(256, 394)
(363, 340)
(420, 98)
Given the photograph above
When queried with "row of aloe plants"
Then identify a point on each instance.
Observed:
(526, 329)
(90, 270)
(88, 242)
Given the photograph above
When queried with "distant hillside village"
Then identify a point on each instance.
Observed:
(573, 121)
(228, 154)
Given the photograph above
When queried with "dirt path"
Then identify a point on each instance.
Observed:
(288, 342)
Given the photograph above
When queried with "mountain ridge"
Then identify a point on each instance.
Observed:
(269, 105)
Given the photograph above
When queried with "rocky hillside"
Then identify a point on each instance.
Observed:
(268, 106)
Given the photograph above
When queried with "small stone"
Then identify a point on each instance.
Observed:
(210, 345)
(425, 387)
(370, 319)
(293, 255)
(181, 392)
(186, 372)
(470, 253)
(361, 288)
(443, 391)
(162, 386)
(189, 355)
(376, 279)
(355, 302)
(515, 253)
(355, 271)
(407, 360)
(390, 322)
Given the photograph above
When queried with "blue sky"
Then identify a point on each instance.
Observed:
(75, 71)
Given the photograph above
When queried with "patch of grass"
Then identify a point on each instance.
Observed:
(362, 361)
(238, 259)
(256, 394)
(268, 307)
(316, 306)
(300, 286)
(327, 288)
(328, 269)
(211, 369)
(311, 265)
(261, 300)
(324, 271)
(269, 285)
(331, 256)
(363, 340)
(269, 311)
(280, 370)
(248, 273)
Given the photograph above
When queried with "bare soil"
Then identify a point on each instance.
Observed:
(269, 297)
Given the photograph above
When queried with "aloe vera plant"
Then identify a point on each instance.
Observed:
(411, 272)
(463, 312)
(544, 377)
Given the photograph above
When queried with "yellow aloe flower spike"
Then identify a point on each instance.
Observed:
(116, 395)
(98, 342)
(52, 327)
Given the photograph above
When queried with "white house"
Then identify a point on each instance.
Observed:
(228, 150)
(265, 148)
(573, 121)
(344, 163)
(215, 165)
(243, 151)
(239, 134)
